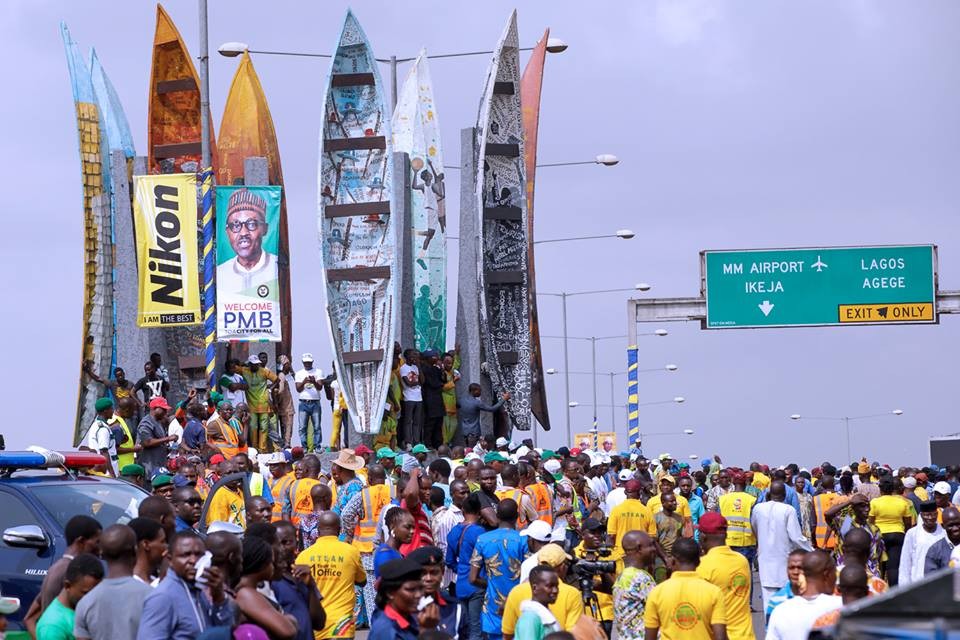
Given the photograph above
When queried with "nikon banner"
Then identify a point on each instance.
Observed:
(165, 218)
(248, 292)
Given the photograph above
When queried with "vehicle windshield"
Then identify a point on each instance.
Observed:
(108, 502)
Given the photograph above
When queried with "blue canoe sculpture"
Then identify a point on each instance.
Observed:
(502, 206)
(357, 231)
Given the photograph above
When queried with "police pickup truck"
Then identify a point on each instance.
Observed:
(39, 492)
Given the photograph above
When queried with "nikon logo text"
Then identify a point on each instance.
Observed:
(166, 272)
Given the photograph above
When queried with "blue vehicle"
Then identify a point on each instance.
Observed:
(39, 493)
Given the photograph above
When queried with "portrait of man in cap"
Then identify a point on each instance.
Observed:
(252, 271)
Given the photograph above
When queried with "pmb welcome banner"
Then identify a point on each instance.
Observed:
(165, 216)
(248, 292)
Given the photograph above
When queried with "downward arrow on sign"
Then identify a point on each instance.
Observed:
(766, 307)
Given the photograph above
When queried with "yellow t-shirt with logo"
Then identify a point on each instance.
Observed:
(684, 606)
(227, 506)
(568, 608)
(335, 567)
(729, 570)
(683, 507)
(630, 515)
(889, 512)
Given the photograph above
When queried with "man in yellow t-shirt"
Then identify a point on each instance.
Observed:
(728, 570)
(335, 567)
(228, 503)
(569, 605)
(685, 607)
(630, 515)
(595, 535)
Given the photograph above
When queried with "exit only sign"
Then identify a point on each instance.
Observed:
(820, 286)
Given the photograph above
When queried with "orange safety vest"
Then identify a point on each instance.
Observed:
(298, 502)
(540, 495)
(375, 498)
(822, 533)
(279, 490)
(516, 495)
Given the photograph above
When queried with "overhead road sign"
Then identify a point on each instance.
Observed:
(819, 286)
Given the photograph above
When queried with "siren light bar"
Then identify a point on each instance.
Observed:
(39, 458)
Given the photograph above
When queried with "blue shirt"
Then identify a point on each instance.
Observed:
(459, 554)
(499, 553)
(194, 434)
(791, 500)
(344, 493)
(294, 598)
(389, 624)
(384, 553)
(696, 512)
(177, 610)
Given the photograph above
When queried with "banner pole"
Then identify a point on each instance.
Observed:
(209, 275)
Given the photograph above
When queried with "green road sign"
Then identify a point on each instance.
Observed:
(820, 286)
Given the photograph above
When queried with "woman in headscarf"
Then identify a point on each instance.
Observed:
(255, 607)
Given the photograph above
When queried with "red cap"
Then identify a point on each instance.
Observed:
(711, 523)
(575, 451)
(159, 403)
(362, 449)
(632, 486)
(216, 458)
(296, 453)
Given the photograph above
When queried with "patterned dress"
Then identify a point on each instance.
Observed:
(344, 494)
(630, 593)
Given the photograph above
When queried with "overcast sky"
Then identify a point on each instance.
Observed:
(739, 124)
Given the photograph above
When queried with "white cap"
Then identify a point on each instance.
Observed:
(253, 360)
(633, 457)
(471, 456)
(552, 465)
(522, 451)
(624, 475)
(272, 458)
(942, 488)
(253, 454)
(538, 530)
(595, 460)
(307, 357)
(502, 442)
(227, 527)
(909, 482)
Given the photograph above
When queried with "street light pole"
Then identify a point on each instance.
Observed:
(593, 380)
(204, 90)
(846, 423)
(566, 363)
(393, 81)
(613, 410)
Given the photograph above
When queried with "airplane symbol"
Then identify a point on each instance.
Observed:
(819, 265)
(882, 311)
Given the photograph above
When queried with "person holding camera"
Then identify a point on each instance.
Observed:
(596, 578)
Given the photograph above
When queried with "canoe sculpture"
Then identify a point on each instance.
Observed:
(246, 130)
(97, 322)
(173, 146)
(502, 207)
(357, 230)
(530, 85)
(416, 132)
(173, 135)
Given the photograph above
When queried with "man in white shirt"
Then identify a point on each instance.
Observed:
(618, 495)
(232, 385)
(793, 619)
(309, 382)
(411, 427)
(918, 541)
(778, 533)
(100, 438)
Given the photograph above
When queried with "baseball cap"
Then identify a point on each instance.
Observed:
(711, 523)
(362, 449)
(502, 442)
(253, 360)
(307, 357)
(909, 482)
(218, 526)
(495, 456)
(272, 458)
(159, 403)
(552, 465)
(942, 488)
(553, 555)
(385, 452)
(538, 530)
(624, 475)
(420, 448)
(592, 524)
(632, 486)
(217, 458)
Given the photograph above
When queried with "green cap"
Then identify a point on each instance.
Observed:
(103, 403)
(385, 452)
(420, 449)
(215, 397)
(133, 470)
(549, 453)
(161, 480)
(495, 456)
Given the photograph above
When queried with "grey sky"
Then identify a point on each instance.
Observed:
(739, 124)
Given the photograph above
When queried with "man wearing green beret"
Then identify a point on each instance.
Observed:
(133, 473)
(100, 436)
(163, 486)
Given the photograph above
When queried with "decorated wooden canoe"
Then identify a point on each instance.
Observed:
(173, 132)
(357, 230)
(530, 85)
(416, 132)
(502, 207)
(97, 322)
(246, 130)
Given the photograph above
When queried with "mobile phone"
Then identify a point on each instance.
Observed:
(202, 565)
(425, 601)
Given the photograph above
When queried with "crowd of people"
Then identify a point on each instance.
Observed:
(246, 536)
